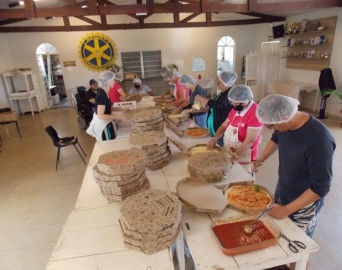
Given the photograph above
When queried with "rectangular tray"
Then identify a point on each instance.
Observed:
(234, 250)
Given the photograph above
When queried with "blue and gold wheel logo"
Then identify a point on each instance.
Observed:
(97, 51)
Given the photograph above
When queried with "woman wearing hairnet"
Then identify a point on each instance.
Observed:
(102, 127)
(180, 94)
(116, 93)
(199, 116)
(306, 149)
(219, 107)
(242, 130)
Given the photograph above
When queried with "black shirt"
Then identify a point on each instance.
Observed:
(102, 99)
(89, 94)
(221, 107)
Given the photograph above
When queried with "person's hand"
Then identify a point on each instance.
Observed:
(211, 144)
(177, 111)
(187, 111)
(255, 165)
(201, 99)
(278, 211)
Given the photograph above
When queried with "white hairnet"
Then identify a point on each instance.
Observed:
(118, 77)
(137, 81)
(187, 79)
(164, 71)
(240, 93)
(106, 77)
(228, 78)
(276, 109)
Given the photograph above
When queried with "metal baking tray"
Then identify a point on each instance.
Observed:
(235, 241)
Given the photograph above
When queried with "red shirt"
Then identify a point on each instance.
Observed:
(113, 94)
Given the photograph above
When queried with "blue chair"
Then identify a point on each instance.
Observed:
(62, 142)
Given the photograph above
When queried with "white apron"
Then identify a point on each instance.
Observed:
(232, 143)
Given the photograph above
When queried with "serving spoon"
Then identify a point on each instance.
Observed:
(247, 228)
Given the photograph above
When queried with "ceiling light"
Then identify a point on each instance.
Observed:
(21, 3)
(49, 18)
(84, 6)
(141, 14)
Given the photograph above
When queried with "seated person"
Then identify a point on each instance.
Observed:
(90, 94)
(116, 93)
(139, 88)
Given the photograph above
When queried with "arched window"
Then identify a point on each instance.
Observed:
(225, 54)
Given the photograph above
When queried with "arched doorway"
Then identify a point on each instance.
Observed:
(52, 76)
(225, 54)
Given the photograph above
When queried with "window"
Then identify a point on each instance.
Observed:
(198, 64)
(145, 65)
(225, 54)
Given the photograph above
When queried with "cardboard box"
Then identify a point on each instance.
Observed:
(200, 196)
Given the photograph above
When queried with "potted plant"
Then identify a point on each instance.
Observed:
(172, 67)
(336, 92)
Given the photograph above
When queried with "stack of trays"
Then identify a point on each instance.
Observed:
(155, 145)
(120, 174)
(150, 220)
(149, 119)
(212, 166)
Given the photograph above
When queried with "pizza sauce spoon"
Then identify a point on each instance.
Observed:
(247, 228)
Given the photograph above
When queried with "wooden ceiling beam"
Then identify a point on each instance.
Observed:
(87, 20)
(69, 2)
(92, 6)
(30, 9)
(263, 16)
(127, 26)
(303, 5)
(67, 24)
(9, 21)
(189, 18)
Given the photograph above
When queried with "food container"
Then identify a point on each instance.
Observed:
(199, 148)
(233, 240)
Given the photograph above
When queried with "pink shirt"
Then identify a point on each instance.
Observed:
(247, 119)
(178, 89)
(113, 94)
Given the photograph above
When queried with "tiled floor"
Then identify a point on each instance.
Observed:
(35, 200)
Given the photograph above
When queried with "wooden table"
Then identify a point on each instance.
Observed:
(91, 237)
(293, 89)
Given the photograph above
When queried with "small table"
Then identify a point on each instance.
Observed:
(292, 89)
(207, 84)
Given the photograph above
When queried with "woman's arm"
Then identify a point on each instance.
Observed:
(219, 133)
(181, 98)
(123, 95)
(101, 114)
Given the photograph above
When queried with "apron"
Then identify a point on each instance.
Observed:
(232, 143)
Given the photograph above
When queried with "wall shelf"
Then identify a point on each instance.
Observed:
(294, 61)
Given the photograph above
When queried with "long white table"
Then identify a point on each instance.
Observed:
(91, 237)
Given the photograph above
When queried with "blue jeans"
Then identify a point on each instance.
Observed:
(201, 120)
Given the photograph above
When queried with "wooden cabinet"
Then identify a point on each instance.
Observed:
(311, 50)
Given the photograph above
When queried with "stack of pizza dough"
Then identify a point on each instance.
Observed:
(155, 145)
(150, 220)
(149, 119)
(212, 166)
(120, 174)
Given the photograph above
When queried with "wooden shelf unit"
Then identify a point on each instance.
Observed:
(320, 59)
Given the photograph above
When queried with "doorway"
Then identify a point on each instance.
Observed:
(52, 75)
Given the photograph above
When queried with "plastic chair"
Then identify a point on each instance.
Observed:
(62, 142)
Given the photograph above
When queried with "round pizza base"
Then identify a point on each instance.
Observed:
(246, 198)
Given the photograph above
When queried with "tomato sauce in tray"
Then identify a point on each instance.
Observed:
(234, 241)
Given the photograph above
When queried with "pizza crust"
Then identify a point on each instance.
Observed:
(247, 198)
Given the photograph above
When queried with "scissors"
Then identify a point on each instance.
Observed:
(293, 244)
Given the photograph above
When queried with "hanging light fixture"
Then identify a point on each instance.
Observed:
(15, 4)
